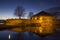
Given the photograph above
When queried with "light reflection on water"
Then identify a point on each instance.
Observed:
(27, 36)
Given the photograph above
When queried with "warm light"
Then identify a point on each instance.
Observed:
(46, 24)
(40, 30)
(13, 22)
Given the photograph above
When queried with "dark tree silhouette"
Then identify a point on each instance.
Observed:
(19, 11)
(30, 15)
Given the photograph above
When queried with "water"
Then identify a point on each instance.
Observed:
(28, 36)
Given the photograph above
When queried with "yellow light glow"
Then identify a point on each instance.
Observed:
(46, 24)
(13, 22)
(40, 29)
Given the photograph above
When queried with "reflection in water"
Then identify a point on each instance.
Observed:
(27, 36)
(9, 36)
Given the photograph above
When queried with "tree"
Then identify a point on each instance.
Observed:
(30, 15)
(19, 11)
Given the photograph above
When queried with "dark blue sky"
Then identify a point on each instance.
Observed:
(7, 7)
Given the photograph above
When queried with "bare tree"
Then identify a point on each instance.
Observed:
(30, 15)
(19, 11)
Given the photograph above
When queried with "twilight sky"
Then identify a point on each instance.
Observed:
(7, 7)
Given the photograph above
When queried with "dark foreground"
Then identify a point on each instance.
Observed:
(28, 36)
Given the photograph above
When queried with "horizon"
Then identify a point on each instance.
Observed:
(7, 7)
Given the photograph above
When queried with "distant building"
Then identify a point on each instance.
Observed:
(2, 21)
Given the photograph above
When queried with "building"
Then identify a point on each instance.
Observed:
(47, 22)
